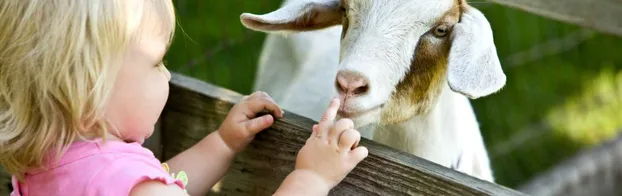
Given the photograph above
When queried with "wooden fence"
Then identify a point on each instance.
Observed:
(195, 108)
(593, 171)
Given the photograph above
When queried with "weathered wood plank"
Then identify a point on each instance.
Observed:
(593, 171)
(194, 109)
(601, 15)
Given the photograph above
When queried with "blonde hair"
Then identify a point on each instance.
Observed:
(58, 62)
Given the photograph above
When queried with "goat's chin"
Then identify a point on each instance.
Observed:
(370, 117)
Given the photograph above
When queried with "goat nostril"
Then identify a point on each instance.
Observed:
(349, 84)
(361, 90)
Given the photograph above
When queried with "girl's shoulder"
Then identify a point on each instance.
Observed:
(128, 165)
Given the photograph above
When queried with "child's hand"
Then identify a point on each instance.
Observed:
(331, 152)
(240, 126)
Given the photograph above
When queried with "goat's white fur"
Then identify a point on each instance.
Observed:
(299, 71)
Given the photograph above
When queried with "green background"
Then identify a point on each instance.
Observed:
(563, 94)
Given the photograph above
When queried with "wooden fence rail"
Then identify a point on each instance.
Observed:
(592, 171)
(195, 108)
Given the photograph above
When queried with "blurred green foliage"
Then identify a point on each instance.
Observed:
(559, 98)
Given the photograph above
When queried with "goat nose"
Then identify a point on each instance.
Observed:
(350, 83)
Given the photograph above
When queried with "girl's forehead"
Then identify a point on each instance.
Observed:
(150, 20)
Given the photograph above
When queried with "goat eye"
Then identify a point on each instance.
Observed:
(441, 30)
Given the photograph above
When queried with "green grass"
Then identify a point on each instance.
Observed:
(550, 108)
(215, 26)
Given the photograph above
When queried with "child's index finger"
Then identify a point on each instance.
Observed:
(328, 118)
(331, 112)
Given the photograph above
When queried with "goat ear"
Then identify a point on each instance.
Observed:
(474, 69)
(297, 16)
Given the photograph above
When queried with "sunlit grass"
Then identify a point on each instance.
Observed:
(593, 115)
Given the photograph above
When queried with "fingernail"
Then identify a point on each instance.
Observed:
(266, 119)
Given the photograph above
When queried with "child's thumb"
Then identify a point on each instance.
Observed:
(358, 154)
(259, 124)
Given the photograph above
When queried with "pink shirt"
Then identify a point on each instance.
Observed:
(95, 168)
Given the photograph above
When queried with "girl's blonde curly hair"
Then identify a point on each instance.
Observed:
(58, 62)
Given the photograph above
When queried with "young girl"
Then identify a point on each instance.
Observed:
(81, 87)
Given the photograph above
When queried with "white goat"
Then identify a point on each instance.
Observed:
(403, 69)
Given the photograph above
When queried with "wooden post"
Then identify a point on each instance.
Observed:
(195, 108)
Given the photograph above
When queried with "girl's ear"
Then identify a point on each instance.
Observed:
(297, 16)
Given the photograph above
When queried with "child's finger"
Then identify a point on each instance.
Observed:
(265, 103)
(266, 96)
(338, 129)
(256, 125)
(314, 130)
(313, 133)
(358, 154)
(348, 140)
(329, 117)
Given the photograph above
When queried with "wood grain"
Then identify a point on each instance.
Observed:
(194, 109)
(601, 15)
(593, 171)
